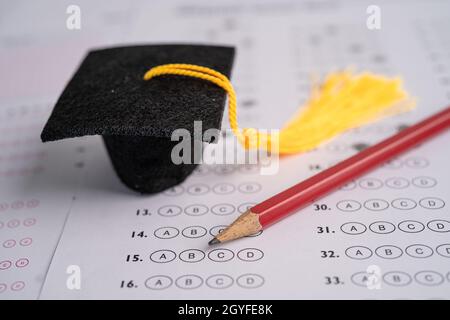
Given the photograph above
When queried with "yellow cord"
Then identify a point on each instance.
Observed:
(342, 102)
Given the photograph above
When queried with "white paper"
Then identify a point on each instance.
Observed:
(38, 182)
(280, 44)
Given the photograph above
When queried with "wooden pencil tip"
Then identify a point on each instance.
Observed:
(214, 241)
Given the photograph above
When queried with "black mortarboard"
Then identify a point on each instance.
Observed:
(107, 96)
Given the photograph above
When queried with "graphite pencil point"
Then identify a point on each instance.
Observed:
(213, 241)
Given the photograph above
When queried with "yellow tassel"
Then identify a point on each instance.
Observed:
(342, 102)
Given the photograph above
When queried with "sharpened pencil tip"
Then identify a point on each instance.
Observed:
(213, 241)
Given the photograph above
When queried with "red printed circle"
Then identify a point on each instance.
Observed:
(9, 243)
(26, 242)
(14, 223)
(29, 222)
(18, 285)
(19, 204)
(5, 264)
(22, 262)
(33, 203)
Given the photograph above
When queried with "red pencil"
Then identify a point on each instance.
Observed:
(302, 194)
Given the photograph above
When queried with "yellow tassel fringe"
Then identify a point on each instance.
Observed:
(342, 102)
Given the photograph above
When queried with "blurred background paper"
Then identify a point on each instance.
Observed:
(61, 206)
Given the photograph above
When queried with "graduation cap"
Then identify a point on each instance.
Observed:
(107, 96)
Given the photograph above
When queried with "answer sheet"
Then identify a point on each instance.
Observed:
(38, 183)
(383, 236)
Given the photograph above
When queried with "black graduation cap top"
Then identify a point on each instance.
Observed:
(107, 96)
